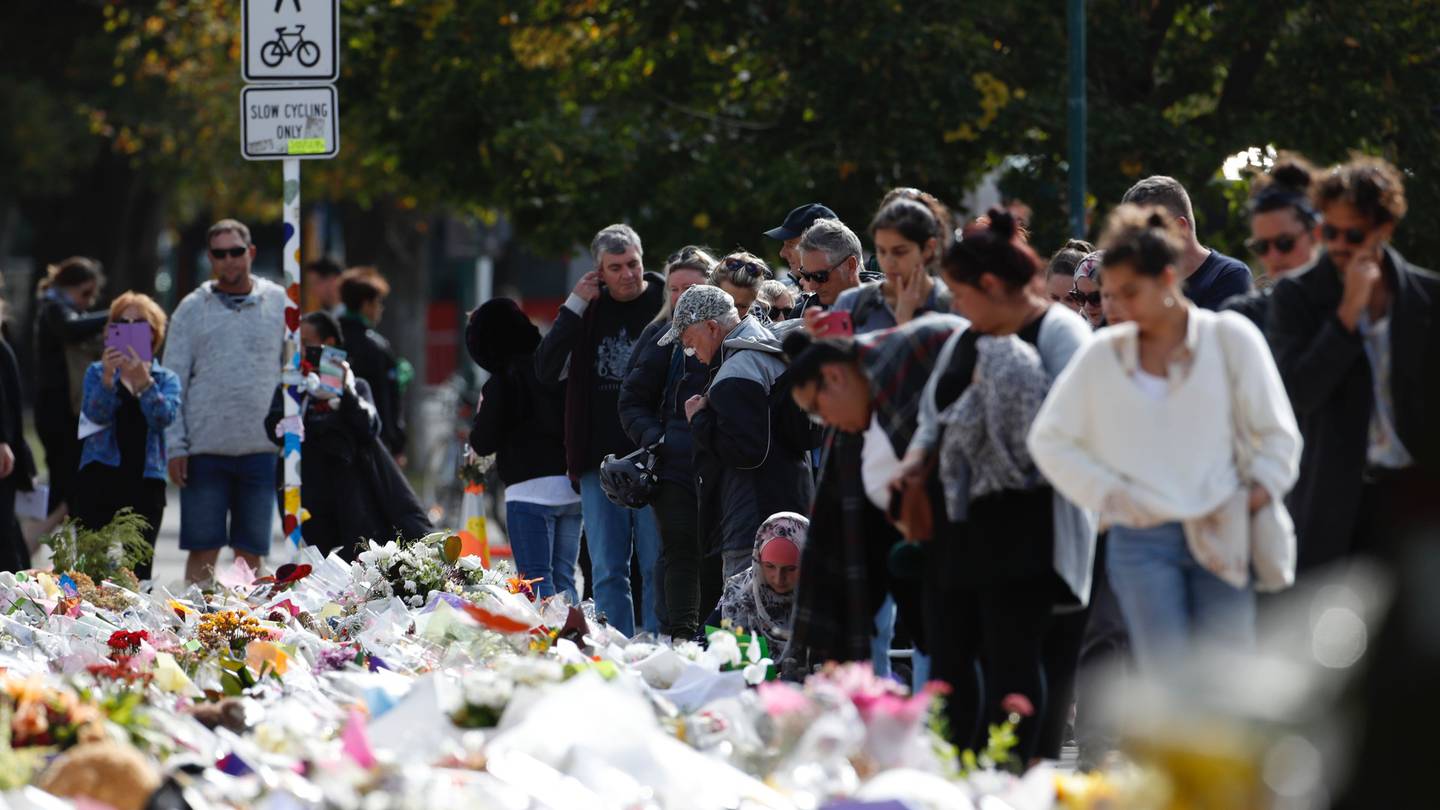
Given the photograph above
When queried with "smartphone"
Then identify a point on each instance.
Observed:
(330, 368)
(123, 337)
(834, 324)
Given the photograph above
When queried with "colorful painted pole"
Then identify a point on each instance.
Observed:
(291, 378)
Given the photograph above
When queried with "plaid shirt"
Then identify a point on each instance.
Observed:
(844, 574)
(898, 362)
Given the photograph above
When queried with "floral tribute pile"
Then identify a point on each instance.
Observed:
(416, 677)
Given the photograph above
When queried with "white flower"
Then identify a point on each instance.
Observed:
(470, 563)
(410, 585)
(755, 672)
(417, 601)
(487, 688)
(724, 648)
(377, 554)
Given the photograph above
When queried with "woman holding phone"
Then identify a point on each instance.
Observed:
(131, 399)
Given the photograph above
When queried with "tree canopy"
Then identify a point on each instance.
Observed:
(705, 122)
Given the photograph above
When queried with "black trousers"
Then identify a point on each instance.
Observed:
(101, 491)
(57, 433)
(1104, 655)
(678, 517)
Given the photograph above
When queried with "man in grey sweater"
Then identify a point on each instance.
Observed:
(226, 343)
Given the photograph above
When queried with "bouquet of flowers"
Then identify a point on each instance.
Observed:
(412, 570)
(484, 693)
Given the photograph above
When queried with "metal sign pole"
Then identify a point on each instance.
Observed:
(290, 370)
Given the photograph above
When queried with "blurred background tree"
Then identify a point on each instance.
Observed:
(698, 122)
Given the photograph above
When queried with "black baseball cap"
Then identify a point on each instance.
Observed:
(798, 220)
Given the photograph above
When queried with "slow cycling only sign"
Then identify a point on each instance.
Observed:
(291, 40)
(279, 122)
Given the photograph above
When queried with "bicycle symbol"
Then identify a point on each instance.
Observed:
(274, 52)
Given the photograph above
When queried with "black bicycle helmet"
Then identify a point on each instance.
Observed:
(630, 481)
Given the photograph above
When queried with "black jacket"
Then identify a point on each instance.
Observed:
(58, 325)
(1327, 374)
(373, 361)
(746, 468)
(347, 482)
(652, 402)
(571, 351)
(14, 553)
(521, 421)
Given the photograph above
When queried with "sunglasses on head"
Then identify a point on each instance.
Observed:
(1355, 236)
(234, 252)
(1260, 247)
(744, 270)
(1092, 298)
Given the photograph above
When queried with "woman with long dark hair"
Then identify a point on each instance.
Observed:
(65, 345)
(908, 237)
(1013, 553)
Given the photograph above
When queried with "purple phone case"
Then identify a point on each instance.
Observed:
(125, 336)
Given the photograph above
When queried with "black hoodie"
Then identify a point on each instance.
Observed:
(520, 420)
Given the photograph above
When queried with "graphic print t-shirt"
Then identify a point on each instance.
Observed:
(617, 327)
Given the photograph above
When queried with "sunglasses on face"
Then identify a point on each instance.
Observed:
(1260, 247)
(820, 276)
(1355, 236)
(234, 252)
(1092, 298)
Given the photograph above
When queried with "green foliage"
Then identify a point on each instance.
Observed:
(101, 554)
(705, 122)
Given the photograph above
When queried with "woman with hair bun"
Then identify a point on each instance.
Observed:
(1060, 272)
(1284, 230)
(1179, 378)
(1015, 552)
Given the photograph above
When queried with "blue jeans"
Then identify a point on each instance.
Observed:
(1169, 600)
(546, 543)
(880, 648)
(614, 533)
(240, 487)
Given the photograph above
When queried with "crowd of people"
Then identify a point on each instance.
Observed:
(1015, 468)
(197, 400)
(1020, 468)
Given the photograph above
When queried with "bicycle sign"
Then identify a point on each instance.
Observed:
(275, 51)
(290, 41)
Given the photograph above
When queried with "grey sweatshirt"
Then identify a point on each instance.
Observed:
(228, 359)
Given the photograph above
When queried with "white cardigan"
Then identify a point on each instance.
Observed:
(1098, 433)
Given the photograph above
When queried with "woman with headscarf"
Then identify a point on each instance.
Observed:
(760, 598)
(521, 421)
(1086, 292)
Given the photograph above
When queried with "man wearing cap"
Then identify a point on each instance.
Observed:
(750, 452)
(794, 227)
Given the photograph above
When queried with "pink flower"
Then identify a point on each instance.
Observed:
(782, 699)
(1016, 703)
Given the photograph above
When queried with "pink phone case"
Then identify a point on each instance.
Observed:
(125, 336)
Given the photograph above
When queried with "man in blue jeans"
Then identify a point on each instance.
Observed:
(589, 346)
(225, 343)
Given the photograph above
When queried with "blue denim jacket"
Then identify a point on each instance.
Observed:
(159, 403)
